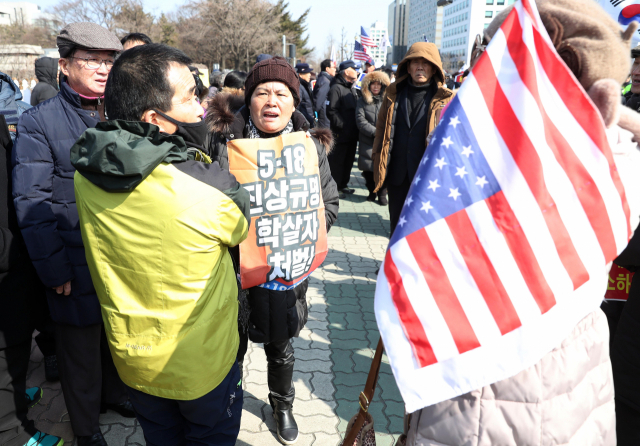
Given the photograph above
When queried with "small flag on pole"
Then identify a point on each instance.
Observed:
(514, 212)
(360, 52)
(365, 39)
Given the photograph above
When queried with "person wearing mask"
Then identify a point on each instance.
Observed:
(321, 91)
(271, 96)
(22, 298)
(306, 106)
(341, 110)
(373, 87)
(48, 217)
(166, 284)
(134, 39)
(410, 111)
(47, 74)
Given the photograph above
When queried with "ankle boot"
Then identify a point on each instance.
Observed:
(382, 197)
(286, 426)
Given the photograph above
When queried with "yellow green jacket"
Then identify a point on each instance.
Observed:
(156, 227)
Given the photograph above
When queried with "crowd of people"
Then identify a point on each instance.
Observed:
(121, 218)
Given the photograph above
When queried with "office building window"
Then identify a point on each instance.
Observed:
(488, 14)
(490, 2)
(500, 2)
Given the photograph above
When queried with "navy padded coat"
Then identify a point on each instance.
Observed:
(46, 206)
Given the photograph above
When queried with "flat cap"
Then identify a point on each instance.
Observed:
(303, 68)
(87, 36)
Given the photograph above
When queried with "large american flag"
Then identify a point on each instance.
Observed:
(511, 219)
(365, 39)
(360, 52)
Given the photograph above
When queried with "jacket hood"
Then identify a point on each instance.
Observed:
(47, 71)
(9, 92)
(339, 79)
(375, 76)
(421, 49)
(223, 108)
(232, 125)
(118, 155)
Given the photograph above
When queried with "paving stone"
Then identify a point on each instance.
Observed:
(252, 415)
(117, 433)
(323, 386)
(323, 439)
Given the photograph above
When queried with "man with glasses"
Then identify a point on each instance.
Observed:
(48, 218)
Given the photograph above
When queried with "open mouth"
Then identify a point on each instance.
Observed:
(270, 115)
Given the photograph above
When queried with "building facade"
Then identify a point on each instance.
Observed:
(24, 13)
(425, 22)
(399, 16)
(463, 20)
(18, 60)
(377, 33)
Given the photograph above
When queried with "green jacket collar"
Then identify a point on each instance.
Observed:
(118, 155)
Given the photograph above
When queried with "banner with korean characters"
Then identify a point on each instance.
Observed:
(288, 234)
(619, 283)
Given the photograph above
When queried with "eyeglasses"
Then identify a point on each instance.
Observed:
(93, 63)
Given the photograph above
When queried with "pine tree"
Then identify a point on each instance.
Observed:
(293, 29)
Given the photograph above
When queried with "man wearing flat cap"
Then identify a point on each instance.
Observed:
(306, 106)
(48, 218)
(341, 110)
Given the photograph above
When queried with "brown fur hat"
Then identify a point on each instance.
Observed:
(374, 76)
(590, 42)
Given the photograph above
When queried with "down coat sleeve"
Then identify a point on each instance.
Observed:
(33, 169)
(329, 187)
(363, 124)
(333, 113)
(320, 96)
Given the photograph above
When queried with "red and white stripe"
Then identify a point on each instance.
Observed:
(360, 55)
(367, 41)
(484, 293)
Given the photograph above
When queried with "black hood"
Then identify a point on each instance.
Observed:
(47, 71)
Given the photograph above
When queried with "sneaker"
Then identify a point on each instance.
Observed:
(42, 439)
(33, 395)
(51, 368)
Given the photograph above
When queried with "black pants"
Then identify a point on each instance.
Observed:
(397, 195)
(341, 162)
(15, 429)
(371, 184)
(213, 419)
(46, 337)
(627, 425)
(87, 374)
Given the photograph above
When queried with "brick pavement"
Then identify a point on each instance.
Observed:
(333, 352)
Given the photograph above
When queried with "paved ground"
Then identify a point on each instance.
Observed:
(333, 353)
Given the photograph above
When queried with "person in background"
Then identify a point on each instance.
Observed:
(22, 299)
(147, 210)
(47, 74)
(306, 106)
(26, 91)
(234, 81)
(48, 217)
(321, 91)
(410, 111)
(216, 81)
(373, 87)
(369, 66)
(134, 39)
(631, 98)
(341, 111)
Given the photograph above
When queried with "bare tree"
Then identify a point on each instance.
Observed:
(331, 42)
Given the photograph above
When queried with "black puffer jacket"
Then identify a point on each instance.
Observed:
(306, 105)
(367, 111)
(275, 315)
(342, 110)
(320, 95)
(47, 74)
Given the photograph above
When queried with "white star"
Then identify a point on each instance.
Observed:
(424, 159)
(408, 201)
(440, 162)
(454, 194)
(482, 181)
(461, 172)
(446, 142)
(426, 206)
(417, 179)
(454, 122)
(433, 185)
(467, 151)
(402, 221)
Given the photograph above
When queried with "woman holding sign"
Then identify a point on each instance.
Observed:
(294, 202)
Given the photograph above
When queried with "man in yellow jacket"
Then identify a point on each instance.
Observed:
(157, 224)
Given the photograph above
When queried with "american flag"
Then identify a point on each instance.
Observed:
(510, 221)
(365, 39)
(360, 52)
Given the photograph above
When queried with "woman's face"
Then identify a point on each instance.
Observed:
(375, 88)
(271, 106)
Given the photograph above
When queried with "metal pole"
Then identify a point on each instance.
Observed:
(284, 45)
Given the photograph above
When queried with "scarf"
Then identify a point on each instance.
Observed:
(254, 133)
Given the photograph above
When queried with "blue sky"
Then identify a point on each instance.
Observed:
(326, 17)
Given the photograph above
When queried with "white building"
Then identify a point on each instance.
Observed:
(425, 22)
(462, 21)
(377, 33)
(24, 13)
(399, 17)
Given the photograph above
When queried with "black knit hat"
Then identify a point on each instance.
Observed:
(276, 69)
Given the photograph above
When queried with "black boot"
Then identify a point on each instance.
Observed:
(286, 426)
(92, 440)
(382, 197)
(125, 409)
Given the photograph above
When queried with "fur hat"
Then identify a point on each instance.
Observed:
(589, 41)
(276, 69)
